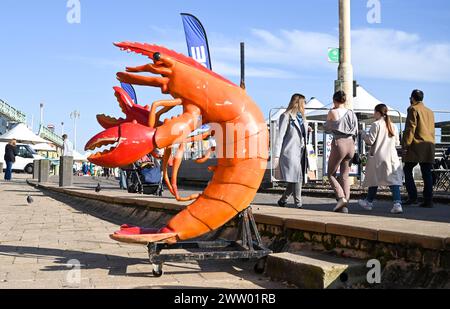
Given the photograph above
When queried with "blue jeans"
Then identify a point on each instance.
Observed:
(396, 196)
(122, 179)
(8, 172)
(427, 176)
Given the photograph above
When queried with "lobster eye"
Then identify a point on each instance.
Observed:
(157, 56)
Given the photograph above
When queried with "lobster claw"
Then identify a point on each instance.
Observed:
(129, 142)
(129, 108)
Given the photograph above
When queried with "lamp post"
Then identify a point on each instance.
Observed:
(41, 121)
(75, 115)
(345, 70)
(62, 128)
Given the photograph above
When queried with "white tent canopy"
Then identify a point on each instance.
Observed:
(367, 102)
(314, 105)
(78, 157)
(23, 135)
(364, 104)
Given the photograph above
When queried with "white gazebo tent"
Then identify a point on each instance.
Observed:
(78, 157)
(313, 107)
(363, 104)
(44, 147)
(23, 135)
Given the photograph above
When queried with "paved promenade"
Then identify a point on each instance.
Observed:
(40, 240)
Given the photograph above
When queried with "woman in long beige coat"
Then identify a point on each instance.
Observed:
(383, 165)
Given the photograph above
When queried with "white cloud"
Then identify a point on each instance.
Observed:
(390, 54)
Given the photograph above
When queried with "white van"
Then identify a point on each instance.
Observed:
(24, 159)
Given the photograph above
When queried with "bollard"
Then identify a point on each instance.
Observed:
(36, 169)
(65, 171)
(1, 168)
(44, 170)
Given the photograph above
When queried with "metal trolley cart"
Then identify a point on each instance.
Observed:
(248, 246)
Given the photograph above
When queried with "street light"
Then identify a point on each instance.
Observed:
(41, 120)
(62, 128)
(75, 115)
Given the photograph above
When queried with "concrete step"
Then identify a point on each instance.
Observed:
(312, 270)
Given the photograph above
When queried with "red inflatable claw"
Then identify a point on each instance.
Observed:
(128, 143)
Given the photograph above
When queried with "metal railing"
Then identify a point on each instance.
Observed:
(444, 137)
(11, 113)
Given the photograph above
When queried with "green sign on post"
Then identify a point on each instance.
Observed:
(333, 55)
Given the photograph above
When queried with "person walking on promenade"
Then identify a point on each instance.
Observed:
(10, 158)
(419, 148)
(289, 152)
(342, 123)
(383, 165)
(68, 146)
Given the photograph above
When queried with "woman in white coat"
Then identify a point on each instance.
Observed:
(383, 165)
(289, 151)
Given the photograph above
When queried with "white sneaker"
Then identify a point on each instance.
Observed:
(397, 209)
(344, 210)
(366, 205)
(341, 204)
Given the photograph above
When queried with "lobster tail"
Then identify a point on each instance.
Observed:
(231, 190)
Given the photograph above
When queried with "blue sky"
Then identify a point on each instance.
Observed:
(73, 66)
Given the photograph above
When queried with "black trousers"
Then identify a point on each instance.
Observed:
(427, 176)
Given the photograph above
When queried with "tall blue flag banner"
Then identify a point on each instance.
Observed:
(196, 39)
(130, 90)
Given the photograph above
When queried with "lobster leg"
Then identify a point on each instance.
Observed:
(176, 166)
(167, 156)
(205, 158)
(167, 104)
(160, 113)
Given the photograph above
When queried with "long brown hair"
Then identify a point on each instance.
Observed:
(383, 110)
(297, 104)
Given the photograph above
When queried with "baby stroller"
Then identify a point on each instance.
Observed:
(145, 178)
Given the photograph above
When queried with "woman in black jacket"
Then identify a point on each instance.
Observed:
(10, 158)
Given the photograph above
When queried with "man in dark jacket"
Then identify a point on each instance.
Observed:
(419, 148)
(10, 158)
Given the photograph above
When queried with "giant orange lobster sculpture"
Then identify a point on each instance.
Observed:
(237, 124)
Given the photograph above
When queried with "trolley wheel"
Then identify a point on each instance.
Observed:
(157, 270)
(260, 266)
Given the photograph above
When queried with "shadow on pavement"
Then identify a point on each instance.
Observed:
(117, 265)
